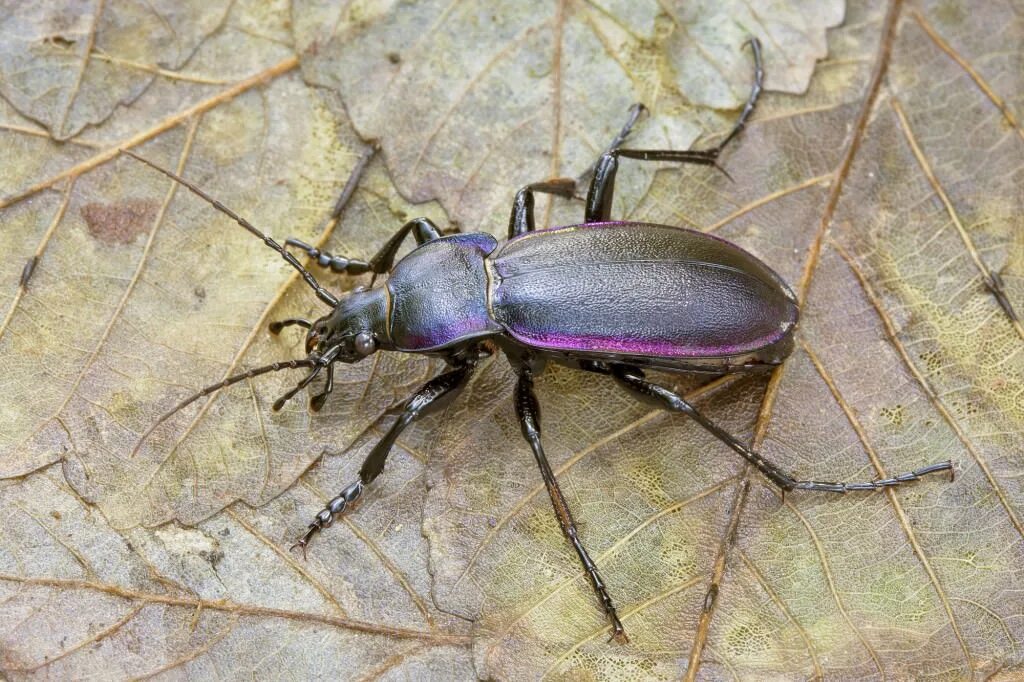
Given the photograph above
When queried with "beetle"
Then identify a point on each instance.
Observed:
(603, 296)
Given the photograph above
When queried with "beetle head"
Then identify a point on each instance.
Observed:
(353, 330)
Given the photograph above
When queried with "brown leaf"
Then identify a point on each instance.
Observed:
(471, 101)
(69, 65)
(222, 598)
(887, 194)
(857, 194)
(139, 294)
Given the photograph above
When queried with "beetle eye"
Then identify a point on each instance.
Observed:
(365, 343)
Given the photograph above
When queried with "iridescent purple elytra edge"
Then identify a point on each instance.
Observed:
(607, 297)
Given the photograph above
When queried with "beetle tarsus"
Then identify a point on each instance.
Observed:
(602, 185)
(432, 396)
(303, 542)
(876, 484)
(755, 92)
(618, 632)
(635, 113)
(337, 264)
(325, 517)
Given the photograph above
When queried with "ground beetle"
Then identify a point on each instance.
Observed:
(603, 296)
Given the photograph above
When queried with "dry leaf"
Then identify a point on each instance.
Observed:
(857, 193)
(886, 193)
(470, 100)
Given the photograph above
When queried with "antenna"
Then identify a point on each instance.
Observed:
(324, 295)
(273, 367)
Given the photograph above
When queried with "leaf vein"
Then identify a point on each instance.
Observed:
(990, 279)
(933, 397)
(881, 66)
(240, 609)
(901, 514)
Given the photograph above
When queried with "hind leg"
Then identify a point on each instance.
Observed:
(633, 380)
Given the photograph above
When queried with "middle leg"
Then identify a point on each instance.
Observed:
(528, 410)
(521, 221)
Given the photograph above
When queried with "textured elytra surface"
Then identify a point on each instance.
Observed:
(142, 294)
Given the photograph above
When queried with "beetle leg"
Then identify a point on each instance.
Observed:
(602, 185)
(422, 229)
(430, 397)
(635, 112)
(521, 220)
(277, 326)
(528, 410)
(633, 379)
(349, 266)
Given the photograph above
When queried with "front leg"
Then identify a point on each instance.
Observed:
(422, 229)
(528, 410)
(431, 397)
(338, 264)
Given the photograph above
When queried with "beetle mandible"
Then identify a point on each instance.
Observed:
(535, 297)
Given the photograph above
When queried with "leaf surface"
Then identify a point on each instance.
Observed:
(885, 189)
(860, 193)
(471, 101)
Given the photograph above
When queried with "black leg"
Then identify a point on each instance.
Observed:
(432, 396)
(349, 266)
(633, 379)
(602, 186)
(528, 410)
(422, 229)
(521, 220)
(276, 327)
(635, 112)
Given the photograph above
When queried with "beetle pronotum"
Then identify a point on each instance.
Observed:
(719, 309)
